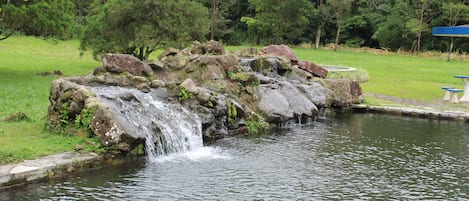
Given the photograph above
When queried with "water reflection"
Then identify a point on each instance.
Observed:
(358, 156)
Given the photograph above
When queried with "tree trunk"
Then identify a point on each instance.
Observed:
(419, 34)
(318, 35)
(213, 19)
(337, 36)
(450, 48)
(258, 38)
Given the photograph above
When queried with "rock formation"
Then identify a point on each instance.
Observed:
(227, 91)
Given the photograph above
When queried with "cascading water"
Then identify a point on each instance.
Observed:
(167, 128)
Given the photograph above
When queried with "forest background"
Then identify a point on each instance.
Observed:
(140, 27)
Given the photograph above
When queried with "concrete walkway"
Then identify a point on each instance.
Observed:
(47, 167)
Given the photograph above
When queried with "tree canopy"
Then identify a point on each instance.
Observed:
(140, 27)
(49, 18)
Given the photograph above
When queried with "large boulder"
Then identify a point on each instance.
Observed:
(119, 63)
(78, 104)
(316, 93)
(346, 92)
(312, 68)
(282, 101)
(280, 50)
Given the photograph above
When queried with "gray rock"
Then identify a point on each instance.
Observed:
(316, 93)
(190, 86)
(284, 103)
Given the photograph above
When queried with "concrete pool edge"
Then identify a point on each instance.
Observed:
(424, 112)
(52, 166)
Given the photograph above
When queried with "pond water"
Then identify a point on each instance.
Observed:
(357, 156)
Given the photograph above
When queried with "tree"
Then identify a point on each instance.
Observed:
(339, 8)
(280, 19)
(140, 27)
(324, 16)
(213, 17)
(418, 23)
(219, 23)
(453, 13)
(392, 32)
(49, 18)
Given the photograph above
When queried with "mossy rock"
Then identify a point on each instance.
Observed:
(16, 117)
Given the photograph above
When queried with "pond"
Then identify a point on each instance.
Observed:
(356, 156)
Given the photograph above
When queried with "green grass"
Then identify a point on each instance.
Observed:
(22, 90)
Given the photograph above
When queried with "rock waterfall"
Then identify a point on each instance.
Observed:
(166, 127)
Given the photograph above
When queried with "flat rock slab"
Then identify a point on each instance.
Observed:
(44, 168)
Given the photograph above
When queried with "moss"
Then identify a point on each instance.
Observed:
(256, 124)
(245, 79)
(232, 114)
(138, 150)
(16, 117)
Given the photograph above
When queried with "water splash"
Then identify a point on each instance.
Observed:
(168, 129)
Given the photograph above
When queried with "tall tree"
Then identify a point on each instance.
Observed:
(340, 9)
(140, 27)
(49, 18)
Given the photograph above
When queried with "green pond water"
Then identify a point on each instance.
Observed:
(352, 157)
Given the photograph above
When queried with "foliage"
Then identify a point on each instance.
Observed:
(276, 18)
(256, 124)
(141, 27)
(392, 32)
(209, 104)
(82, 120)
(48, 18)
(184, 94)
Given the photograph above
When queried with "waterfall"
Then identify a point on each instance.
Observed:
(166, 127)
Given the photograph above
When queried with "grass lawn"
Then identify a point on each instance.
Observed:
(22, 90)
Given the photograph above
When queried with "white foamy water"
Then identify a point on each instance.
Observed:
(198, 154)
(171, 131)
